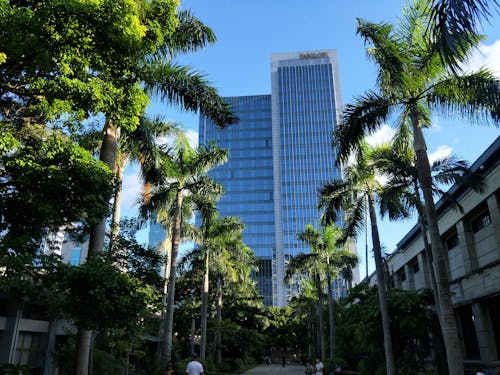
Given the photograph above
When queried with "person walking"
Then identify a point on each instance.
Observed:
(309, 370)
(170, 370)
(319, 366)
(194, 367)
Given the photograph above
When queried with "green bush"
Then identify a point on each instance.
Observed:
(11, 369)
(106, 364)
(331, 363)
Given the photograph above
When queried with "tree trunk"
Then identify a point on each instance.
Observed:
(83, 342)
(321, 320)
(427, 248)
(96, 242)
(193, 332)
(382, 292)
(115, 217)
(169, 315)
(309, 335)
(218, 317)
(108, 156)
(204, 308)
(447, 316)
(331, 309)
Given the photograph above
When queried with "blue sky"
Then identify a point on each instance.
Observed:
(249, 31)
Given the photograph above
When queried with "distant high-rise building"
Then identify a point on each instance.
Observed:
(280, 155)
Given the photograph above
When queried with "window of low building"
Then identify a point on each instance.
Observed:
(402, 275)
(415, 267)
(480, 218)
(451, 238)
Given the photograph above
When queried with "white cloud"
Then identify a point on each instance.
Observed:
(191, 135)
(193, 138)
(381, 136)
(441, 152)
(485, 56)
(435, 126)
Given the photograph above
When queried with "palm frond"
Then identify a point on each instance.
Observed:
(453, 26)
(190, 35)
(179, 85)
(301, 263)
(359, 119)
(354, 219)
(334, 196)
(451, 170)
(397, 202)
(385, 51)
(475, 96)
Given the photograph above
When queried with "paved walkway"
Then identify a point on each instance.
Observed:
(276, 369)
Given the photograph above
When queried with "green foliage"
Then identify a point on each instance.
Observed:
(98, 296)
(360, 338)
(12, 369)
(286, 330)
(79, 56)
(48, 181)
(106, 364)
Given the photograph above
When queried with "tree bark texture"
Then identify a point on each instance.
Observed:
(169, 316)
(331, 310)
(96, 242)
(447, 316)
(321, 320)
(382, 292)
(204, 308)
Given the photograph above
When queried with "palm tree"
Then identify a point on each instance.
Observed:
(215, 237)
(413, 80)
(402, 188)
(183, 175)
(138, 145)
(232, 265)
(350, 195)
(325, 243)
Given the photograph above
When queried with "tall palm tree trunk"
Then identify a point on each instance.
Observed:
(193, 331)
(169, 315)
(204, 307)
(447, 316)
(382, 292)
(331, 309)
(427, 248)
(309, 335)
(96, 243)
(115, 217)
(321, 319)
(218, 317)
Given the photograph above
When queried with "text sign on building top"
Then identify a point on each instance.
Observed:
(313, 55)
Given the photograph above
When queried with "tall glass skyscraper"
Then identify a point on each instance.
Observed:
(280, 154)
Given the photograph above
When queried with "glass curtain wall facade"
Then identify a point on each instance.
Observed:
(306, 95)
(248, 178)
(280, 155)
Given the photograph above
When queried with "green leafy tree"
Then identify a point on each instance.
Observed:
(413, 80)
(360, 336)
